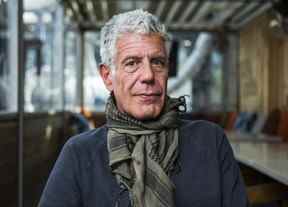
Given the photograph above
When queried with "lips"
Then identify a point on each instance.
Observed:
(149, 98)
(149, 94)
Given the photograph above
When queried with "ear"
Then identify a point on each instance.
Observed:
(106, 75)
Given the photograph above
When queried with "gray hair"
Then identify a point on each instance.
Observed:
(137, 21)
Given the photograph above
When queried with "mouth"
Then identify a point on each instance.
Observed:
(149, 98)
(149, 94)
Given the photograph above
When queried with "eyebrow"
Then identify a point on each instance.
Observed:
(153, 56)
(133, 57)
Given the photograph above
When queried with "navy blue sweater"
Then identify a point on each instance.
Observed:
(209, 175)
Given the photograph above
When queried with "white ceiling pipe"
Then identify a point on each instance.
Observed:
(187, 11)
(198, 18)
(172, 12)
(160, 8)
(194, 62)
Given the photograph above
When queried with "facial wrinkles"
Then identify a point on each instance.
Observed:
(136, 44)
(137, 85)
(144, 52)
(134, 48)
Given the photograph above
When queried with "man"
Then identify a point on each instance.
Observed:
(145, 156)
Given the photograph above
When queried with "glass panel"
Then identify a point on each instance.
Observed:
(95, 93)
(204, 65)
(70, 70)
(8, 103)
(8, 78)
(42, 78)
(207, 84)
(3, 55)
(43, 93)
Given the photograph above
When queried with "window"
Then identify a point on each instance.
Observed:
(71, 70)
(8, 77)
(95, 93)
(205, 69)
(43, 83)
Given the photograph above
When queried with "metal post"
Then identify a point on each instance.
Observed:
(15, 11)
(59, 56)
(230, 73)
(14, 27)
(80, 69)
(238, 81)
(21, 76)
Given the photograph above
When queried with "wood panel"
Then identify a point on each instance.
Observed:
(8, 161)
(263, 67)
(43, 137)
(254, 66)
(262, 189)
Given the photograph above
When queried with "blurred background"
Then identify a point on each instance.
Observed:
(229, 57)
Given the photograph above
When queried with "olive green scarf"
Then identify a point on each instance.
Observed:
(143, 153)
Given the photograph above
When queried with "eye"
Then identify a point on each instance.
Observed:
(131, 63)
(158, 62)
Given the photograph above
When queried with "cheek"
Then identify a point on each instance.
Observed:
(124, 83)
(162, 81)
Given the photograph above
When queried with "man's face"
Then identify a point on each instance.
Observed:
(140, 80)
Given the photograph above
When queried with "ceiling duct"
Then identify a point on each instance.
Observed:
(178, 15)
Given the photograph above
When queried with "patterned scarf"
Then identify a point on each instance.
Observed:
(143, 153)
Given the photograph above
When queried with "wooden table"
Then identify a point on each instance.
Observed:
(268, 156)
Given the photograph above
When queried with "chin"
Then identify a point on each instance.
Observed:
(144, 113)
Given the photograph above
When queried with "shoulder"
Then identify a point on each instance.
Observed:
(201, 127)
(202, 132)
(93, 136)
(87, 142)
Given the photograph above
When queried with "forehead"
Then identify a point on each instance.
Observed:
(140, 44)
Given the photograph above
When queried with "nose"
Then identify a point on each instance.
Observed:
(147, 75)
